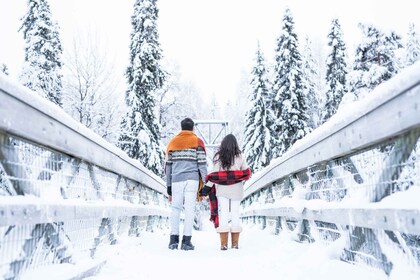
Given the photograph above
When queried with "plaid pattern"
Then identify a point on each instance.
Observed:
(214, 209)
(222, 178)
(229, 177)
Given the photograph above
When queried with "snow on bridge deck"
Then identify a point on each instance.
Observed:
(262, 255)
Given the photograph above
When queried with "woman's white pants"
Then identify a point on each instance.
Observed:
(228, 210)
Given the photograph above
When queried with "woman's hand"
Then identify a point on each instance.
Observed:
(205, 191)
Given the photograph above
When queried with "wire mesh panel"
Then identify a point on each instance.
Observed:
(354, 185)
(65, 191)
(361, 180)
(38, 175)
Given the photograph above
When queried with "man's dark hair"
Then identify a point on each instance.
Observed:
(187, 124)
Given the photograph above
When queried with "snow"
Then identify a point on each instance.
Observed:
(349, 113)
(261, 255)
(26, 96)
(407, 200)
(66, 271)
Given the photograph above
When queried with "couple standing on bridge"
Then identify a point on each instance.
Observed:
(187, 179)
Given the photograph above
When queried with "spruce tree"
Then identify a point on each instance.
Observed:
(310, 76)
(289, 102)
(140, 129)
(375, 60)
(258, 142)
(412, 48)
(336, 70)
(43, 52)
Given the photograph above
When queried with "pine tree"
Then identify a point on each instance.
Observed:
(258, 142)
(4, 69)
(43, 52)
(336, 70)
(375, 60)
(412, 47)
(310, 76)
(289, 101)
(140, 137)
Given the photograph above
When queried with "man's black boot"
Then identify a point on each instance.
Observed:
(186, 243)
(173, 242)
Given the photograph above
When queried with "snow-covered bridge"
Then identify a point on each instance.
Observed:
(343, 202)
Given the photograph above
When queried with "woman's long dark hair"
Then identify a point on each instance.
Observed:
(227, 152)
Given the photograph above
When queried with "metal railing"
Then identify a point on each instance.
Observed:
(64, 191)
(347, 182)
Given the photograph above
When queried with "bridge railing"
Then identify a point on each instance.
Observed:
(64, 191)
(354, 183)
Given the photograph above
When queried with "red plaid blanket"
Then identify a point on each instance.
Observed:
(214, 209)
(229, 177)
(223, 178)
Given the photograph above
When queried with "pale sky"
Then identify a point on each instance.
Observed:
(211, 40)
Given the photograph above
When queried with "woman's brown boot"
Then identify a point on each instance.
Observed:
(224, 236)
(235, 240)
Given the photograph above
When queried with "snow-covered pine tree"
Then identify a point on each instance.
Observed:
(289, 103)
(310, 75)
(412, 48)
(4, 69)
(258, 142)
(336, 76)
(140, 129)
(375, 60)
(42, 66)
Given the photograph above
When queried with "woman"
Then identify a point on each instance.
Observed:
(228, 175)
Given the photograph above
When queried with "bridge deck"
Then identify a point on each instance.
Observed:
(262, 256)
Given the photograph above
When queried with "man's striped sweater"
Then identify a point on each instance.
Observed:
(185, 159)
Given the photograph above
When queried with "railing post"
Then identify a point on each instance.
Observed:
(95, 182)
(10, 159)
(278, 225)
(391, 172)
(134, 227)
(105, 230)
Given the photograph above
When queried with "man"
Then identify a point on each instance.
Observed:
(185, 166)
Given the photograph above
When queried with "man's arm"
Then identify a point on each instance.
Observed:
(168, 173)
(202, 161)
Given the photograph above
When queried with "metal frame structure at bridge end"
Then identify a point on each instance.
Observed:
(206, 129)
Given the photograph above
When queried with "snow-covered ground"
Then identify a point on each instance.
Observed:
(261, 256)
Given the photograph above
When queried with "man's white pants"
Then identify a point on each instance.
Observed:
(228, 208)
(184, 195)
